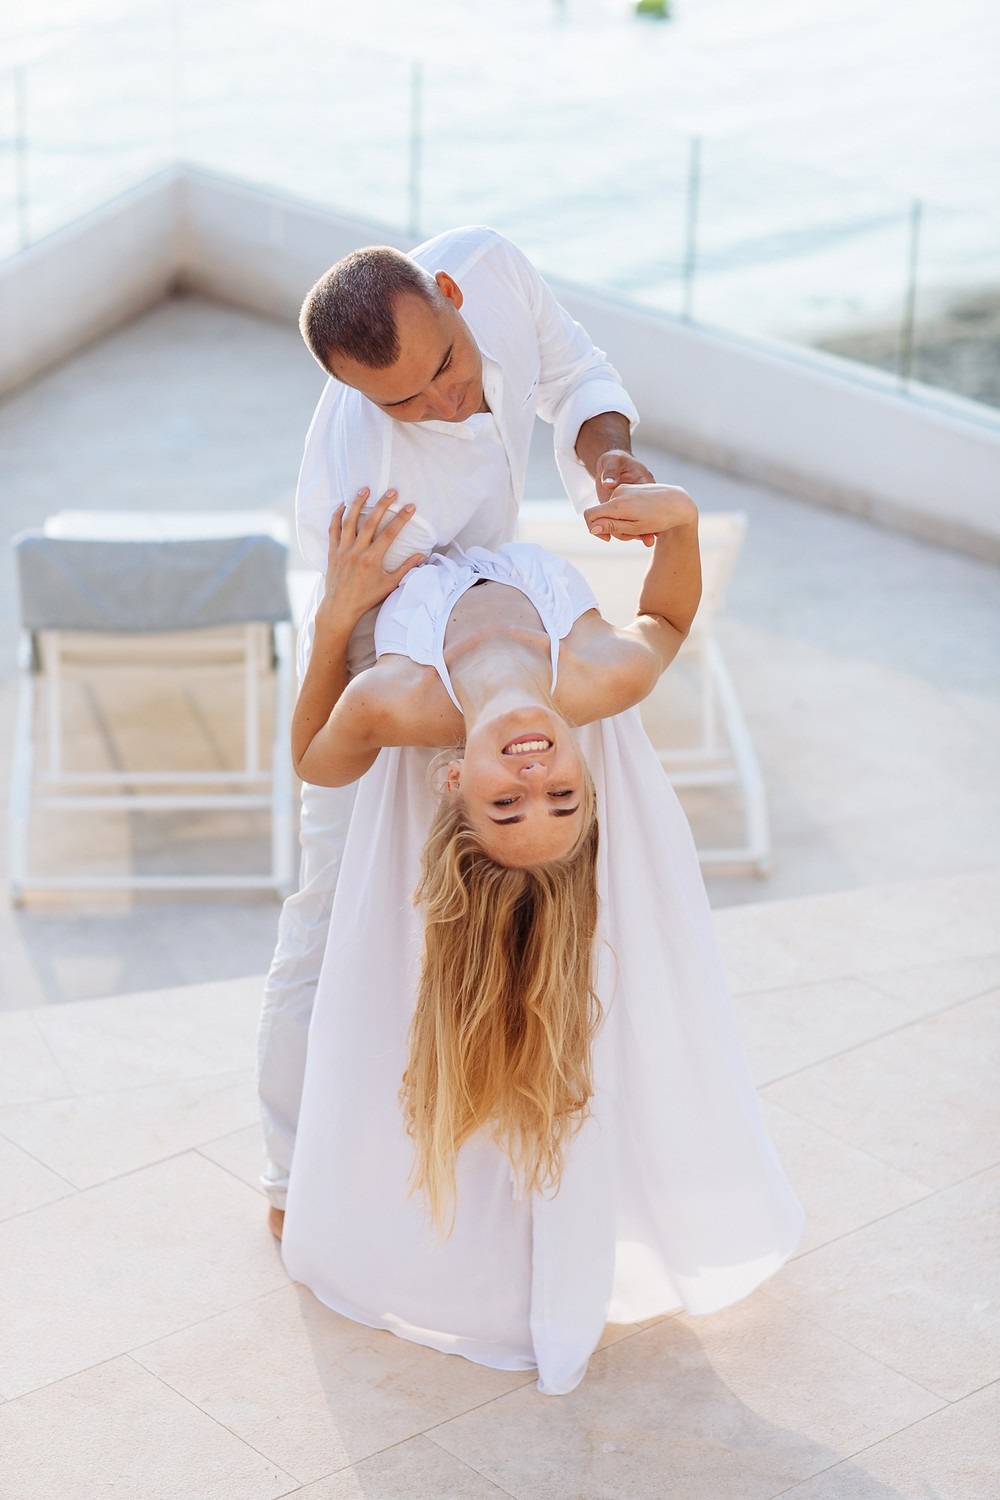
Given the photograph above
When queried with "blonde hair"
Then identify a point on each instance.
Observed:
(506, 1010)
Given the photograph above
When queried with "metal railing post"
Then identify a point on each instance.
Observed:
(21, 155)
(176, 80)
(691, 236)
(416, 143)
(906, 332)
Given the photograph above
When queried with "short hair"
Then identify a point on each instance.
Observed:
(351, 309)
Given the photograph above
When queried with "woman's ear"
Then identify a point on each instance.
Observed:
(453, 780)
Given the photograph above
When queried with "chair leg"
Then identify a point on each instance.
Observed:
(21, 781)
(758, 833)
(282, 789)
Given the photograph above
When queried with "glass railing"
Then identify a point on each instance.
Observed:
(701, 228)
(83, 122)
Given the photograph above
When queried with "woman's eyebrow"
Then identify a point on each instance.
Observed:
(554, 812)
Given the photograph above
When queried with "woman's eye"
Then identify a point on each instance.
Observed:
(567, 793)
(504, 801)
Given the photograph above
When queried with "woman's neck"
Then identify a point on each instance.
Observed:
(491, 675)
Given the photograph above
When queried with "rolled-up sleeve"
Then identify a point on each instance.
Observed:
(576, 380)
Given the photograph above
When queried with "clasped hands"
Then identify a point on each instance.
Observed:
(636, 507)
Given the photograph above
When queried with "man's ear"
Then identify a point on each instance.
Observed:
(453, 780)
(449, 289)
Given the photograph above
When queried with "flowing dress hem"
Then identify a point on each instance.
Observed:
(473, 1350)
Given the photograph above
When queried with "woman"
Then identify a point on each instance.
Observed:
(586, 1135)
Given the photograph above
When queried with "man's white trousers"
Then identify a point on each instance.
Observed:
(290, 989)
(291, 983)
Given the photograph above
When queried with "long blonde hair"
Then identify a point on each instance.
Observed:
(506, 1010)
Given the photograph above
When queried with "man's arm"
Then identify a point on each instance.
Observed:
(604, 447)
(581, 394)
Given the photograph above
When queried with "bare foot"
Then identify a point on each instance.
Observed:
(276, 1221)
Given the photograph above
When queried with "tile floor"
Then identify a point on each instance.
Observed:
(152, 1345)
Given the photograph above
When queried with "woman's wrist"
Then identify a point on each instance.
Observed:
(682, 512)
(334, 623)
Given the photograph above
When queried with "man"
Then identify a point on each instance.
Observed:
(439, 362)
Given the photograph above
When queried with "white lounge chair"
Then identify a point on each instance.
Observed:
(112, 598)
(722, 752)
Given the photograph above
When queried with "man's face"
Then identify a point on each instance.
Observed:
(438, 376)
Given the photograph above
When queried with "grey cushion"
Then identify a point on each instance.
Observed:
(157, 584)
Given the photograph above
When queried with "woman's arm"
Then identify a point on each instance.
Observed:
(671, 589)
(355, 582)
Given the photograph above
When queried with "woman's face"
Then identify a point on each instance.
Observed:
(522, 783)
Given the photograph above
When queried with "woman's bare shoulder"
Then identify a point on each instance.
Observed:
(604, 669)
(401, 702)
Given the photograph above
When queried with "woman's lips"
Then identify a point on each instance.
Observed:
(527, 744)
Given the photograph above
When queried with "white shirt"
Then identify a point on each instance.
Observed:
(536, 359)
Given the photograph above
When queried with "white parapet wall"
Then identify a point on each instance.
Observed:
(818, 427)
(77, 284)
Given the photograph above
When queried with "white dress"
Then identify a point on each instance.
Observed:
(671, 1194)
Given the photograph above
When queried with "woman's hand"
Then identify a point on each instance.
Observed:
(641, 512)
(355, 579)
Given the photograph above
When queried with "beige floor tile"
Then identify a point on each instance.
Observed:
(28, 1069)
(794, 1374)
(99, 951)
(115, 1430)
(865, 774)
(315, 1391)
(241, 1153)
(952, 1455)
(931, 987)
(415, 1470)
(840, 1187)
(27, 1184)
(788, 1029)
(923, 1100)
(919, 1290)
(76, 949)
(694, 1408)
(189, 1032)
(92, 1276)
(877, 848)
(92, 1138)
(851, 932)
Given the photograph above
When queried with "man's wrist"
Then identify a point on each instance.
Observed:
(608, 432)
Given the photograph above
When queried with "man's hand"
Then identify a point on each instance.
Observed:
(641, 510)
(355, 579)
(618, 467)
